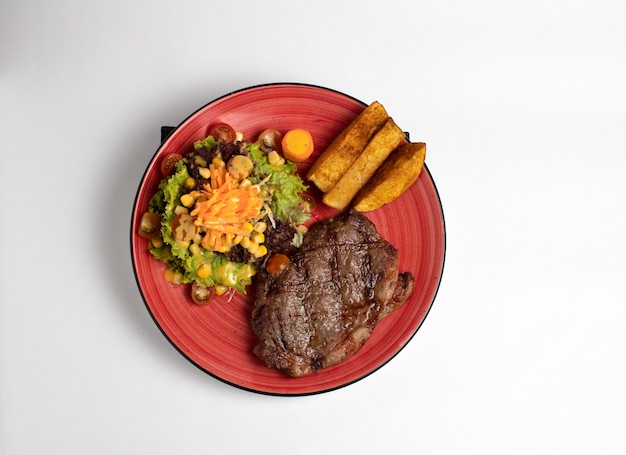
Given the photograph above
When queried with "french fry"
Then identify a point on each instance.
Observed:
(386, 139)
(393, 178)
(345, 148)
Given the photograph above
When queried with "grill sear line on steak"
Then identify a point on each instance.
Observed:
(323, 307)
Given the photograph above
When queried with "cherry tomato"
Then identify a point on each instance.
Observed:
(308, 203)
(149, 226)
(223, 132)
(169, 163)
(277, 263)
(269, 140)
(202, 295)
(183, 227)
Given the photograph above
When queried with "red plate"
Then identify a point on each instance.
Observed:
(217, 338)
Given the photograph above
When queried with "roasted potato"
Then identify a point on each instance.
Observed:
(385, 141)
(345, 148)
(393, 178)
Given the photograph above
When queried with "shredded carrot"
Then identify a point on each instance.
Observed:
(223, 207)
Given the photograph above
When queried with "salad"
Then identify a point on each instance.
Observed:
(227, 208)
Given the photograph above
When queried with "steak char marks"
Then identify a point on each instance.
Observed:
(324, 306)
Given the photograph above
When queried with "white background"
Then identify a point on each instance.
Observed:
(523, 107)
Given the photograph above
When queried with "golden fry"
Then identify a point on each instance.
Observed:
(386, 140)
(345, 148)
(393, 178)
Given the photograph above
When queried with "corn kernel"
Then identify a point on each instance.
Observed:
(204, 172)
(223, 249)
(253, 248)
(220, 289)
(187, 200)
(302, 229)
(190, 182)
(257, 237)
(238, 136)
(260, 252)
(273, 157)
(172, 276)
(182, 243)
(169, 275)
(200, 161)
(218, 162)
(248, 227)
(194, 249)
(204, 271)
(157, 242)
(180, 209)
(245, 183)
(245, 242)
(260, 226)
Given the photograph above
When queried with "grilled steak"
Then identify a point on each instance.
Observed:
(324, 306)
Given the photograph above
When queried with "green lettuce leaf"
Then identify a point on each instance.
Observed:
(283, 184)
(172, 190)
(207, 143)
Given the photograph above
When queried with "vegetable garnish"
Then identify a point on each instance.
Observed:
(222, 210)
(223, 207)
(297, 145)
